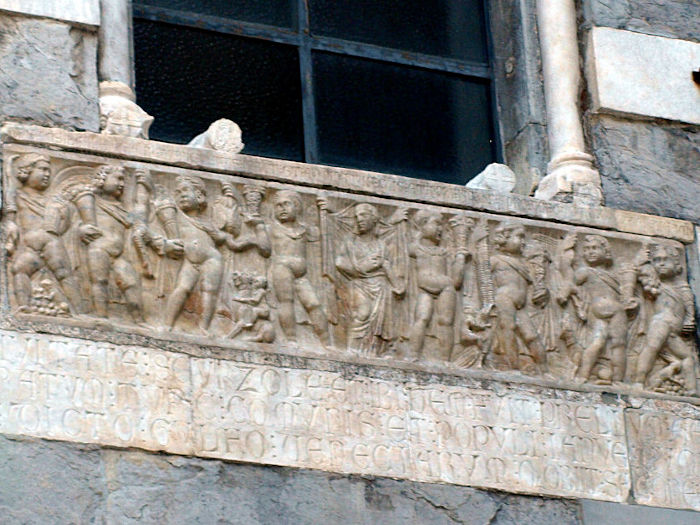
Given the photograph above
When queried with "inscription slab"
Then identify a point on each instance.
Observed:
(518, 439)
(664, 441)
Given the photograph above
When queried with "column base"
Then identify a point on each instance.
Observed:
(571, 177)
(119, 113)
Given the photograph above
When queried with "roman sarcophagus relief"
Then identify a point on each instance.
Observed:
(173, 254)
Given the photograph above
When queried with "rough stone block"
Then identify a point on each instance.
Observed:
(48, 73)
(50, 482)
(648, 167)
(163, 489)
(176, 490)
(657, 79)
(672, 18)
(54, 482)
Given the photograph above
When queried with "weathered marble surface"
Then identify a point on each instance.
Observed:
(354, 420)
(658, 81)
(65, 92)
(86, 12)
(664, 453)
(518, 439)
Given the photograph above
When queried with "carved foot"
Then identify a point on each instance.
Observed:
(579, 380)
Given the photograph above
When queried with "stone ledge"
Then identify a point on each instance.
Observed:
(344, 179)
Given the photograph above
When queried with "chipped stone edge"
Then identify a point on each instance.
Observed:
(348, 180)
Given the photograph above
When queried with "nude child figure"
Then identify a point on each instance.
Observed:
(288, 266)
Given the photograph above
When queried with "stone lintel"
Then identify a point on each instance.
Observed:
(354, 181)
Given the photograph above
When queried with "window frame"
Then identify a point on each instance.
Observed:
(306, 44)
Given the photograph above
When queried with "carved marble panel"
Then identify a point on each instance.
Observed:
(184, 256)
(257, 310)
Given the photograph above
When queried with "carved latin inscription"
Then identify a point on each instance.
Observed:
(523, 439)
(175, 254)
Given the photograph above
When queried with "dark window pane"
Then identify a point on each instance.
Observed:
(273, 12)
(188, 78)
(449, 28)
(396, 119)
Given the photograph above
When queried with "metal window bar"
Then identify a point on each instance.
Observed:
(306, 43)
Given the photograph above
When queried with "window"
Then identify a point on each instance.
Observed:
(385, 85)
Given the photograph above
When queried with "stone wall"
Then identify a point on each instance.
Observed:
(48, 73)
(669, 18)
(82, 484)
(88, 484)
(647, 165)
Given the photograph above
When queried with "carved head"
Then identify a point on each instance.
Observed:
(429, 223)
(667, 260)
(190, 193)
(287, 205)
(596, 250)
(237, 278)
(33, 170)
(110, 180)
(509, 237)
(366, 217)
(536, 251)
(225, 135)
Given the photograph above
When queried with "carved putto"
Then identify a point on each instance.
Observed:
(174, 254)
